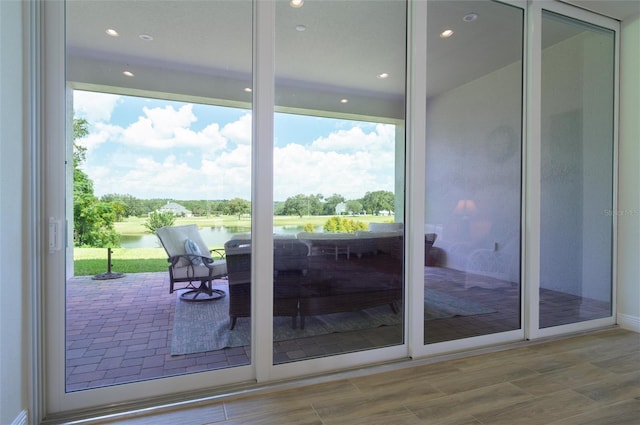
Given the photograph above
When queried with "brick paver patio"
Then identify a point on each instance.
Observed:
(119, 331)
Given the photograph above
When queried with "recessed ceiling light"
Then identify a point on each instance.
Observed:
(383, 76)
(344, 100)
(112, 32)
(470, 17)
(145, 37)
(300, 28)
(248, 89)
(446, 33)
(128, 73)
(296, 3)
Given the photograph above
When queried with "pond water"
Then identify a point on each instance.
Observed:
(213, 236)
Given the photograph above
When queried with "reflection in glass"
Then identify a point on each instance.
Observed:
(577, 171)
(473, 170)
(339, 171)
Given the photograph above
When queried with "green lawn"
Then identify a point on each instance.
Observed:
(93, 261)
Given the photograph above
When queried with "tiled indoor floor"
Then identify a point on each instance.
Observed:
(119, 330)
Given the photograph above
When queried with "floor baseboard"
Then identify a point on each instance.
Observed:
(628, 322)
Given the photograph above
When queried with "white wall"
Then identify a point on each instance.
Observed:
(628, 266)
(13, 290)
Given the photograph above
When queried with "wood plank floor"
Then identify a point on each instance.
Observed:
(586, 379)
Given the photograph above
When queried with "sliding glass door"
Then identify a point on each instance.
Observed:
(473, 169)
(293, 173)
(338, 170)
(161, 108)
(577, 133)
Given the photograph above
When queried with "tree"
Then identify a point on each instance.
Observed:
(157, 220)
(301, 205)
(150, 205)
(83, 197)
(354, 206)
(331, 202)
(198, 208)
(315, 205)
(238, 206)
(93, 221)
(80, 130)
(133, 206)
(296, 205)
(278, 208)
(98, 230)
(381, 200)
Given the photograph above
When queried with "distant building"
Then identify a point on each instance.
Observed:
(175, 209)
(341, 208)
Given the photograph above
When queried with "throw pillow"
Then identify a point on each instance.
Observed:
(191, 247)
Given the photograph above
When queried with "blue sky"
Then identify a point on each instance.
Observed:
(152, 148)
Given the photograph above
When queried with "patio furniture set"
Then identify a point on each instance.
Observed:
(308, 279)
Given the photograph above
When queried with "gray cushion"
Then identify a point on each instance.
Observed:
(190, 247)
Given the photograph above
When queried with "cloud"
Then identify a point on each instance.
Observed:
(149, 178)
(348, 162)
(239, 131)
(355, 138)
(161, 155)
(94, 107)
(166, 128)
(101, 133)
(297, 169)
(159, 128)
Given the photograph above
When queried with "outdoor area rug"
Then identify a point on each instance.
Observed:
(204, 326)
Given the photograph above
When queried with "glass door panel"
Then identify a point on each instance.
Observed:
(338, 177)
(162, 137)
(473, 169)
(576, 171)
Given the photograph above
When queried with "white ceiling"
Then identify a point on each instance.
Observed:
(202, 48)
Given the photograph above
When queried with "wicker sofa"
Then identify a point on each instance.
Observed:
(309, 280)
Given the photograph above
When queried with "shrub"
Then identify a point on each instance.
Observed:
(157, 220)
(343, 225)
